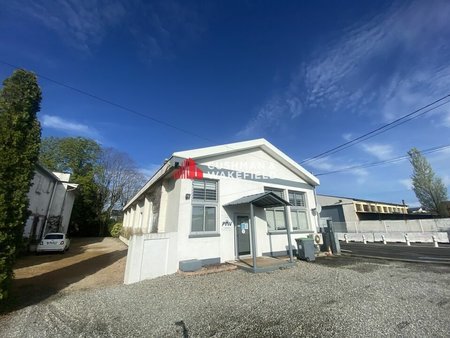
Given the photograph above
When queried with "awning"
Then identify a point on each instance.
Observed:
(262, 200)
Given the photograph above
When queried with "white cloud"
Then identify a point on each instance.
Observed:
(384, 67)
(150, 170)
(347, 136)
(157, 28)
(344, 75)
(380, 151)
(70, 127)
(407, 183)
(325, 164)
(79, 23)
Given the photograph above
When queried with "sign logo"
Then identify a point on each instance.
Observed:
(188, 169)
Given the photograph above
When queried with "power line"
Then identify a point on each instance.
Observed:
(401, 120)
(388, 161)
(111, 103)
(343, 146)
(122, 107)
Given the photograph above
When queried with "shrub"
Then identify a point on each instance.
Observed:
(115, 230)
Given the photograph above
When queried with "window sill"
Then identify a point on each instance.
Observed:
(284, 232)
(199, 235)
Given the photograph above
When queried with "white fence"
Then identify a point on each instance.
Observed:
(150, 256)
(395, 237)
(407, 226)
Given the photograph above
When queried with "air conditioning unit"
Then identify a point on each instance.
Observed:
(318, 238)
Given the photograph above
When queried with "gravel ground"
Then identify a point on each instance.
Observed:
(343, 297)
(89, 263)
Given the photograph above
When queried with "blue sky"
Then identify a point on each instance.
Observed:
(307, 76)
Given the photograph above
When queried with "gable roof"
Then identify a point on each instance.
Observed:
(246, 145)
(227, 149)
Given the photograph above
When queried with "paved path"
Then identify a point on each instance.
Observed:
(415, 252)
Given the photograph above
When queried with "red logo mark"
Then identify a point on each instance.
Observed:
(188, 169)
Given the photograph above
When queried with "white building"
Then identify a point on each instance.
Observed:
(205, 203)
(51, 199)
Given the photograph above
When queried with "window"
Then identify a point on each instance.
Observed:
(299, 220)
(204, 206)
(203, 218)
(299, 211)
(54, 236)
(204, 190)
(275, 217)
(277, 192)
(297, 199)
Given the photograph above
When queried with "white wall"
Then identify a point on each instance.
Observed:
(422, 237)
(39, 196)
(411, 225)
(175, 211)
(150, 256)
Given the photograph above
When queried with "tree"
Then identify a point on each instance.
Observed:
(20, 135)
(79, 157)
(119, 178)
(429, 189)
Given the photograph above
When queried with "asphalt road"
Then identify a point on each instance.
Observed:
(415, 252)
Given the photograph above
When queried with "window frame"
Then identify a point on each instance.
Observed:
(295, 208)
(294, 193)
(275, 229)
(204, 203)
(204, 200)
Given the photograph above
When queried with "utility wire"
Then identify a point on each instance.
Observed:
(343, 146)
(117, 105)
(122, 107)
(388, 161)
(401, 120)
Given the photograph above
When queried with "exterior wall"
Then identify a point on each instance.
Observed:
(50, 204)
(222, 246)
(173, 203)
(409, 226)
(335, 213)
(67, 210)
(150, 256)
(355, 210)
(396, 237)
(39, 196)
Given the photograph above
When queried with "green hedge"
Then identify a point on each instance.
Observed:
(115, 230)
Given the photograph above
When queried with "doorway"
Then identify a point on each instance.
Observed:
(243, 235)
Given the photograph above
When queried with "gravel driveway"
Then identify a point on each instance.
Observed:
(89, 263)
(334, 297)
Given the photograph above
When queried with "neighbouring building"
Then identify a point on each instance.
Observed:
(51, 199)
(223, 203)
(346, 209)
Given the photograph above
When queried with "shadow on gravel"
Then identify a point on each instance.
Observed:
(77, 246)
(362, 265)
(29, 291)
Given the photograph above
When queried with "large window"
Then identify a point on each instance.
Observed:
(276, 219)
(299, 214)
(204, 206)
